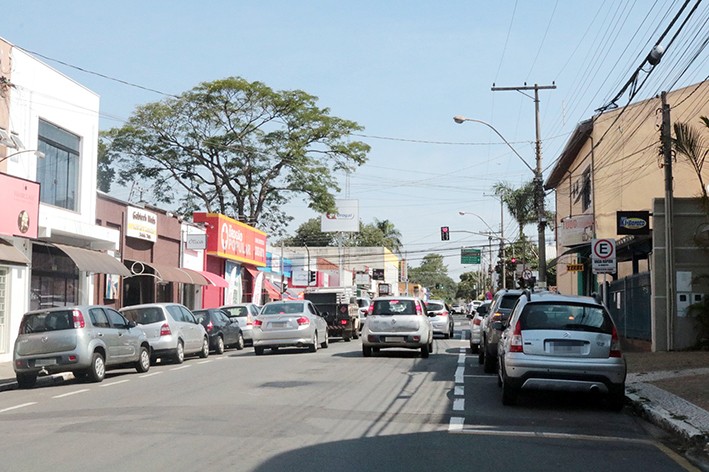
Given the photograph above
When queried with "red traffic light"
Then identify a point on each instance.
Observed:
(513, 260)
(445, 233)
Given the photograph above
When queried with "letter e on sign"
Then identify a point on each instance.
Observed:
(603, 258)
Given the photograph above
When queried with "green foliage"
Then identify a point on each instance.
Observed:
(432, 273)
(472, 286)
(238, 148)
(104, 172)
(370, 235)
(690, 143)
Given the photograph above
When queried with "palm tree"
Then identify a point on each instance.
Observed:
(519, 202)
(392, 236)
(689, 143)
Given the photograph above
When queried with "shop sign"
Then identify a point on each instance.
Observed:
(20, 200)
(231, 239)
(575, 230)
(632, 222)
(345, 219)
(142, 224)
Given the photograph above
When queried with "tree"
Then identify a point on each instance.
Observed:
(519, 202)
(392, 236)
(238, 148)
(309, 234)
(689, 143)
(472, 285)
(104, 172)
(369, 235)
(433, 274)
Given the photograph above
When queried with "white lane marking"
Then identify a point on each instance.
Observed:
(181, 367)
(482, 376)
(114, 383)
(17, 406)
(459, 391)
(461, 358)
(149, 374)
(459, 372)
(455, 425)
(486, 431)
(204, 362)
(459, 404)
(71, 393)
(7, 383)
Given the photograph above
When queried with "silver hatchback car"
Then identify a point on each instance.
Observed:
(85, 340)
(397, 322)
(289, 323)
(244, 314)
(562, 343)
(441, 317)
(172, 330)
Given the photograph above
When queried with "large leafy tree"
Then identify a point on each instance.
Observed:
(433, 274)
(369, 235)
(238, 148)
(472, 285)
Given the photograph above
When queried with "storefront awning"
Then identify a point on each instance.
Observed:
(94, 261)
(272, 290)
(9, 254)
(168, 273)
(196, 276)
(214, 279)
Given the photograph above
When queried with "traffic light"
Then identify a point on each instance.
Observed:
(513, 260)
(445, 233)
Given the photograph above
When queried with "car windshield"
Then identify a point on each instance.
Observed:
(508, 301)
(237, 311)
(48, 321)
(282, 308)
(564, 316)
(434, 306)
(144, 315)
(394, 307)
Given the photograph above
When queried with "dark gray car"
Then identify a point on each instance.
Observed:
(85, 340)
(500, 309)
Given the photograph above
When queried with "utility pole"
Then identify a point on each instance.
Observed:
(666, 137)
(538, 176)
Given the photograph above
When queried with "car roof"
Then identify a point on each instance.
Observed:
(146, 305)
(557, 297)
(64, 308)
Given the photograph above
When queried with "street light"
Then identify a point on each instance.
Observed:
(36, 152)
(538, 196)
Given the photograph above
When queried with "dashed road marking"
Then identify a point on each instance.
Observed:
(455, 425)
(114, 383)
(181, 367)
(459, 391)
(459, 404)
(459, 373)
(17, 406)
(71, 393)
(149, 375)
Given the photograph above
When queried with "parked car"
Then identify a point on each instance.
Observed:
(476, 321)
(458, 309)
(363, 303)
(397, 322)
(85, 340)
(500, 309)
(289, 323)
(223, 331)
(173, 331)
(441, 318)
(244, 314)
(561, 343)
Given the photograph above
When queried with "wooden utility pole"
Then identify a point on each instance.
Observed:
(538, 176)
(666, 137)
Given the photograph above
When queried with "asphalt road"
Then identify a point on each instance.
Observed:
(329, 410)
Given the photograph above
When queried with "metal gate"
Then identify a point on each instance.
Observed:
(630, 306)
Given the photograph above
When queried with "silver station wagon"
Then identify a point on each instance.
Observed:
(85, 340)
(397, 322)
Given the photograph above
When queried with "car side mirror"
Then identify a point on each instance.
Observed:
(131, 324)
(498, 325)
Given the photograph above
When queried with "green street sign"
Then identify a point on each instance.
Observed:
(469, 255)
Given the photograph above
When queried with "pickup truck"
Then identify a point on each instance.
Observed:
(339, 310)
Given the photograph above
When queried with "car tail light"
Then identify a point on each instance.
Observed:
(476, 321)
(615, 344)
(516, 340)
(443, 313)
(258, 322)
(370, 309)
(249, 320)
(210, 327)
(496, 316)
(343, 322)
(79, 319)
(165, 330)
(303, 321)
(416, 338)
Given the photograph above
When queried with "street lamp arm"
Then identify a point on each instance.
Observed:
(460, 119)
(463, 213)
(37, 153)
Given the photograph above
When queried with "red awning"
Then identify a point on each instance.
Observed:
(272, 290)
(214, 279)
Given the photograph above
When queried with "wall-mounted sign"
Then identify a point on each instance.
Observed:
(20, 206)
(362, 278)
(196, 242)
(141, 224)
(575, 230)
(345, 219)
(632, 222)
(231, 239)
(574, 267)
(378, 274)
(384, 289)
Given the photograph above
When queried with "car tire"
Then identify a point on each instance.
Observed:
(366, 351)
(219, 349)
(239, 342)
(143, 364)
(481, 353)
(258, 350)
(346, 339)
(204, 352)
(179, 356)
(325, 343)
(97, 371)
(80, 375)
(489, 363)
(616, 398)
(355, 334)
(474, 348)
(509, 394)
(313, 347)
(425, 351)
(430, 347)
(26, 380)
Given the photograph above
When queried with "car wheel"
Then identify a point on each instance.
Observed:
(375, 349)
(509, 394)
(366, 351)
(489, 363)
(219, 349)
(143, 364)
(430, 347)
(205, 348)
(97, 371)
(313, 347)
(239, 342)
(325, 343)
(481, 353)
(26, 380)
(346, 339)
(179, 356)
(258, 350)
(80, 375)
(474, 348)
(355, 334)
(616, 398)
(424, 351)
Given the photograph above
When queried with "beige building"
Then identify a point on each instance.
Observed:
(612, 163)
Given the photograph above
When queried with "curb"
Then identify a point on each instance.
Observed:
(52, 379)
(666, 420)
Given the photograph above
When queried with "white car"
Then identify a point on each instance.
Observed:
(397, 322)
(289, 324)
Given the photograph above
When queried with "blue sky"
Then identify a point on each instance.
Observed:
(402, 69)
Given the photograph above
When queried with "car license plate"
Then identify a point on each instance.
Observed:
(566, 348)
(43, 362)
(279, 324)
(394, 339)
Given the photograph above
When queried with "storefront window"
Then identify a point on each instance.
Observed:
(55, 278)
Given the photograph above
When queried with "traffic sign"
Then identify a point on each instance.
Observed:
(526, 274)
(603, 259)
(469, 255)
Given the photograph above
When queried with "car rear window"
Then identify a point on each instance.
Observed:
(48, 321)
(282, 308)
(236, 311)
(201, 316)
(144, 315)
(508, 301)
(394, 307)
(433, 306)
(566, 317)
